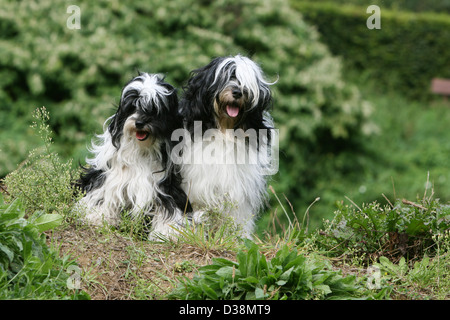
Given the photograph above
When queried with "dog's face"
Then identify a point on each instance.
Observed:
(229, 89)
(147, 112)
(139, 127)
(230, 104)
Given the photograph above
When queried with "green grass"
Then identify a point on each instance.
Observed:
(43, 180)
(354, 257)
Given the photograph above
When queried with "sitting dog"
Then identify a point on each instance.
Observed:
(131, 169)
(225, 112)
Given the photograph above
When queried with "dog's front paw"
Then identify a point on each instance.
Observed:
(199, 217)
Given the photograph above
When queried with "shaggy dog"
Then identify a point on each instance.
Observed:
(225, 154)
(131, 170)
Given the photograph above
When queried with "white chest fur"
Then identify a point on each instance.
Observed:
(224, 171)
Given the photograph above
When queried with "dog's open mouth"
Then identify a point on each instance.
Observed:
(142, 135)
(232, 110)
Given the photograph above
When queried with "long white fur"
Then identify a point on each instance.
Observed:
(234, 189)
(231, 188)
(130, 181)
(131, 172)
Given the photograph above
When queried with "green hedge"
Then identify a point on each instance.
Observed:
(78, 74)
(408, 5)
(407, 52)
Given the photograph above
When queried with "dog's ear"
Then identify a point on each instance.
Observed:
(127, 107)
(256, 117)
(265, 97)
(264, 105)
(199, 94)
(172, 100)
(117, 122)
(115, 129)
(195, 100)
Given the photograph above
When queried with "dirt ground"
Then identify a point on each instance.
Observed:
(117, 267)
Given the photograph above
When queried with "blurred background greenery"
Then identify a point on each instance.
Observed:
(356, 116)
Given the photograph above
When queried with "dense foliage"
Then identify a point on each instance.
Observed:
(77, 74)
(402, 230)
(29, 269)
(287, 276)
(44, 181)
(407, 52)
(403, 5)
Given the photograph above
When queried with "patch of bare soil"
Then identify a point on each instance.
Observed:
(117, 267)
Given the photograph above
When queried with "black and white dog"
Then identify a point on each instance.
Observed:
(131, 170)
(225, 108)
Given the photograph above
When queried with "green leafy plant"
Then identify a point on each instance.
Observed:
(43, 181)
(288, 275)
(29, 269)
(405, 229)
(425, 279)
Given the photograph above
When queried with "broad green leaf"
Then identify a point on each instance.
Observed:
(209, 269)
(259, 293)
(224, 262)
(7, 251)
(299, 260)
(262, 265)
(15, 209)
(385, 262)
(324, 288)
(281, 282)
(226, 272)
(252, 260)
(209, 292)
(48, 221)
(320, 278)
(250, 279)
(286, 275)
(416, 226)
(241, 257)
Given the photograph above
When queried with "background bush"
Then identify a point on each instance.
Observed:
(78, 74)
(407, 52)
(403, 5)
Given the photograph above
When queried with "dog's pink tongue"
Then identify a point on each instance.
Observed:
(232, 111)
(140, 135)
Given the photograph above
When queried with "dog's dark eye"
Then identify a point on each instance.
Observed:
(233, 75)
(150, 111)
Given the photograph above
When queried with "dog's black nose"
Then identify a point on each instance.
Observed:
(139, 124)
(236, 92)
